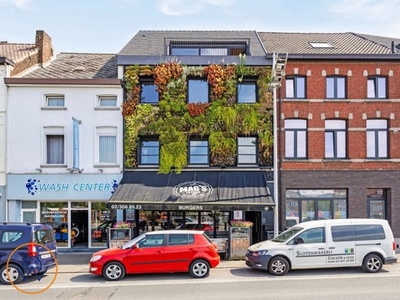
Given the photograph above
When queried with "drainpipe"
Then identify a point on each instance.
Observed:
(275, 154)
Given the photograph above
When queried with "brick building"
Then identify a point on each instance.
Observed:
(339, 116)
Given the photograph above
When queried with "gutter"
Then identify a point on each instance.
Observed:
(62, 81)
(295, 56)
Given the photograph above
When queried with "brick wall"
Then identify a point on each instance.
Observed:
(43, 55)
(315, 109)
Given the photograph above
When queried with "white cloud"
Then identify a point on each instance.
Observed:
(370, 16)
(23, 4)
(188, 7)
(370, 10)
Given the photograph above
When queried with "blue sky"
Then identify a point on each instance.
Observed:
(105, 26)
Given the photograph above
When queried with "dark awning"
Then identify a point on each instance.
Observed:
(193, 190)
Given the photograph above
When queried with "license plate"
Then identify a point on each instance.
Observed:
(45, 256)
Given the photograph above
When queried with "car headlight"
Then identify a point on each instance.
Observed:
(260, 253)
(95, 258)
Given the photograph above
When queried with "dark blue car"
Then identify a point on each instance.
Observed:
(34, 258)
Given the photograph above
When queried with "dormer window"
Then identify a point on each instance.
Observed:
(209, 48)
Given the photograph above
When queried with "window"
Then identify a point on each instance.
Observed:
(312, 236)
(376, 87)
(335, 87)
(148, 91)
(197, 91)
(335, 139)
(306, 205)
(55, 149)
(107, 149)
(209, 48)
(247, 91)
(198, 151)
(295, 138)
(347, 233)
(149, 152)
(55, 101)
(377, 142)
(320, 45)
(107, 145)
(180, 239)
(376, 199)
(155, 240)
(296, 87)
(247, 150)
(107, 101)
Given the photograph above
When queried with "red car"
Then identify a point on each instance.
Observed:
(158, 252)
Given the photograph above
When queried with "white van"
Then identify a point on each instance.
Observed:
(326, 244)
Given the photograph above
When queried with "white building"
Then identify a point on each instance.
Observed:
(65, 152)
(16, 58)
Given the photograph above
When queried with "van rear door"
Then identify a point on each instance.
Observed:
(341, 245)
(46, 246)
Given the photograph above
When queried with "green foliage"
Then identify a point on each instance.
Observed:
(174, 121)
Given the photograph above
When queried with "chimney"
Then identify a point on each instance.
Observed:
(43, 43)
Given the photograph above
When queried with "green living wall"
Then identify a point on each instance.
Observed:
(222, 120)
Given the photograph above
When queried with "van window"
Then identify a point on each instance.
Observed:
(368, 232)
(44, 236)
(314, 235)
(342, 233)
(365, 232)
(11, 236)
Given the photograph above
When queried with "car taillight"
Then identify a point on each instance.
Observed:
(394, 246)
(32, 250)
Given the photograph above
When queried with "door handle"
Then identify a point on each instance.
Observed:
(331, 248)
(321, 248)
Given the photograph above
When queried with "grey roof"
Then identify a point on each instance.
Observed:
(78, 66)
(153, 42)
(342, 43)
(385, 41)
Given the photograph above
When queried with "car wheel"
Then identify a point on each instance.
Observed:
(372, 263)
(278, 266)
(113, 271)
(199, 269)
(14, 274)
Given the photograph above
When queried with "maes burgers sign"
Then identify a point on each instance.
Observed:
(192, 190)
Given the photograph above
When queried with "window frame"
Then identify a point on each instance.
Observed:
(191, 148)
(377, 136)
(106, 131)
(247, 146)
(335, 132)
(148, 81)
(376, 86)
(108, 98)
(336, 87)
(197, 79)
(54, 96)
(295, 87)
(47, 147)
(296, 132)
(247, 81)
(140, 151)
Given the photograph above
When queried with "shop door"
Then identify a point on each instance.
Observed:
(79, 228)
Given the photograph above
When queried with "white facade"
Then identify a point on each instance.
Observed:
(4, 72)
(82, 177)
(30, 120)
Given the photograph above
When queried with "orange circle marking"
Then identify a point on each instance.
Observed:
(21, 290)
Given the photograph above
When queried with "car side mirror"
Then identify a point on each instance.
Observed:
(135, 246)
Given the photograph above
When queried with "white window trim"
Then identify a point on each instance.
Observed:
(98, 101)
(52, 130)
(105, 131)
(45, 105)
